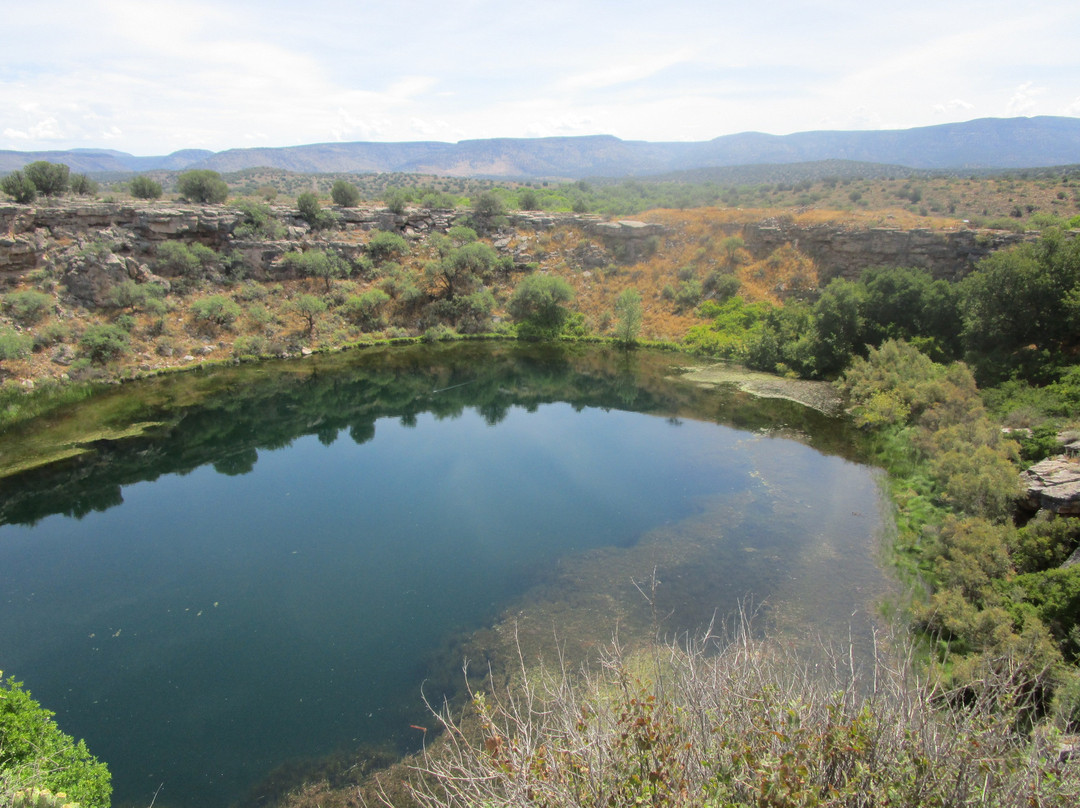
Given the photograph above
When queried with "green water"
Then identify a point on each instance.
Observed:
(273, 570)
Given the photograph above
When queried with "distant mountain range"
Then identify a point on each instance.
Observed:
(987, 143)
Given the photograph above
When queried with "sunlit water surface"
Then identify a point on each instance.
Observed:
(216, 625)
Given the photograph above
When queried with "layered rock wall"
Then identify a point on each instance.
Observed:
(846, 251)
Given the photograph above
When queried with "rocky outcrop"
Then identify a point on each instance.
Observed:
(846, 251)
(1054, 485)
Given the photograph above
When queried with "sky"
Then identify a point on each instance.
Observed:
(150, 77)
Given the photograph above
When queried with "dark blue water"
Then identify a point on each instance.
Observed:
(214, 626)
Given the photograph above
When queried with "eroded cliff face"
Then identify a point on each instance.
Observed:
(29, 233)
(845, 252)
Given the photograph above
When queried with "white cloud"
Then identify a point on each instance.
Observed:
(1024, 100)
(152, 77)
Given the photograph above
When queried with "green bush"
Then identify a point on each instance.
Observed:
(14, 345)
(174, 258)
(28, 306)
(397, 200)
(143, 187)
(50, 179)
(366, 310)
(216, 310)
(136, 296)
(245, 345)
(345, 194)
(102, 342)
(311, 212)
(83, 185)
(202, 185)
(36, 754)
(19, 187)
(258, 222)
(385, 245)
(537, 305)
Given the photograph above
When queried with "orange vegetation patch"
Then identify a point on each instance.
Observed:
(729, 220)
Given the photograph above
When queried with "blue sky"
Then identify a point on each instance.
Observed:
(152, 77)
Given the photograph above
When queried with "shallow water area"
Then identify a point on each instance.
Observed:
(275, 566)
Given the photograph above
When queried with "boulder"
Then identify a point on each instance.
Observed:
(1053, 484)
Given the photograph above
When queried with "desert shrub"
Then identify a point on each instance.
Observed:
(50, 179)
(250, 290)
(688, 294)
(317, 264)
(216, 310)
(83, 185)
(14, 345)
(721, 285)
(143, 187)
(174, 258)
(19, 187)
(36, 754)
(202, 185)
(51, 334)
(249, 345)
(28, 306)
(385, 245)
(537, 305)
(366, 310)
(345, 194)
(397, 200)
(102, 342)
(137, 296)
(739, 724)
(258, 222)
(311, 212)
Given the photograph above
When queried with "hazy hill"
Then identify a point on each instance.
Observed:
(988, 143)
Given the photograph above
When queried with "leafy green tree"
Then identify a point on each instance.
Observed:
(35, 753)
(143, 187)
(202, 185)
(50, 179)
(345, 194)
(318, 264)
(628, 314)
(461, 270)
(19, 187)
(907, 303)
(1021, 308)
(83, 185)
(102, 342)
(538, 305)
(839, 325)
(309, 308)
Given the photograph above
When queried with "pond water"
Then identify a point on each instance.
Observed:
(272, 569)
